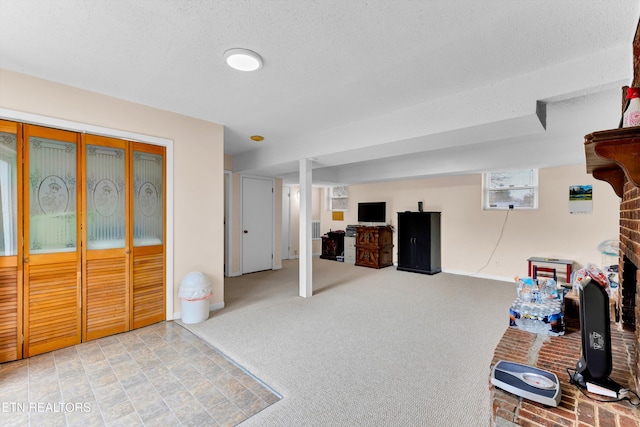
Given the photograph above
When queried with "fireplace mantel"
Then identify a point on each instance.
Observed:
(613, 154)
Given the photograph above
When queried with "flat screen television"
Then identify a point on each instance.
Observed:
(372, 212)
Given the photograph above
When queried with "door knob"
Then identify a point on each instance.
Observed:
(246, 231)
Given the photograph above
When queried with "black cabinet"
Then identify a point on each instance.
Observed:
(332, 245)
(419, 242)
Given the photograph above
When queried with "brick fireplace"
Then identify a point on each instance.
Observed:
(630, 231)
(629, 192)
(629, 263)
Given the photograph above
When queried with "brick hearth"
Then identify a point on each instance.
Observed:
(556, 354)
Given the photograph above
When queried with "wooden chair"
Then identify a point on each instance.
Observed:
(547, 272)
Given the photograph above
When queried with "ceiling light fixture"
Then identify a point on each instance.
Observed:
(243, 59)
(257, 138)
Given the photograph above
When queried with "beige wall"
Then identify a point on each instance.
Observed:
(277, 226)
(469, 234)
(294, 223)
(197, 164)
(316, 207)
(235, 268)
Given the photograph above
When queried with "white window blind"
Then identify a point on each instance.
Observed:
(339, 198)
(510, 190)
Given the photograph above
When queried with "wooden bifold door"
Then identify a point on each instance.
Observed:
(83, 238)
(11, 285)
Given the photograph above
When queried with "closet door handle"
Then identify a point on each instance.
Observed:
(246, 231)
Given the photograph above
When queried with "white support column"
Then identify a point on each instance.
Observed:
(306, 250)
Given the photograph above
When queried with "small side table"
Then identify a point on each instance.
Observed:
(568, 263)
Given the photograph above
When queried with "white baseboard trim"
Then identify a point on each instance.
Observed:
(216, 306)
(277, 267)
(479, 275)
(212, 307)
(316, 254)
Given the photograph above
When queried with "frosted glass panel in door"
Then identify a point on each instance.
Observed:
(52, 196)
(106, 214)
(8, 195)
(147, 199)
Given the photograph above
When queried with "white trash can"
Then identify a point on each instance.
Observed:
(194, 293)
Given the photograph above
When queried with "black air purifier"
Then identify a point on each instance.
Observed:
(594, 366)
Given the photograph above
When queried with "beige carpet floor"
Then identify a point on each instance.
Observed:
(370, 348)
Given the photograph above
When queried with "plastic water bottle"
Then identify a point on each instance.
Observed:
(526, 317)
(548, 291)
(535, 295)
(513, 314)
(546, 316)
(536, 319)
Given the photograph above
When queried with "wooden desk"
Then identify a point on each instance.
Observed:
(568, 263)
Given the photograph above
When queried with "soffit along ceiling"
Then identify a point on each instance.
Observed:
(368, 90)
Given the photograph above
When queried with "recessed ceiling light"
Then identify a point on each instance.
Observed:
(257, 138)
(243, 59)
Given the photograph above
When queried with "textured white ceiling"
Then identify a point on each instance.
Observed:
(432, 87)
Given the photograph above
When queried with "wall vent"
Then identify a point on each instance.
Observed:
(315, 229)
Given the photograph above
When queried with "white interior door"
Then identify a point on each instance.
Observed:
(227, 221)
(257, 224)
(286, 225)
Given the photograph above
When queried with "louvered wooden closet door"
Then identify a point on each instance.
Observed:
(106, 248)
(148, 260)
(10, 241)
(52, 315)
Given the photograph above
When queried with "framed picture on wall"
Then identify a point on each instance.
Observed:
(580, 199)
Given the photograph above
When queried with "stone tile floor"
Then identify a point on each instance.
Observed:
(160, 375)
